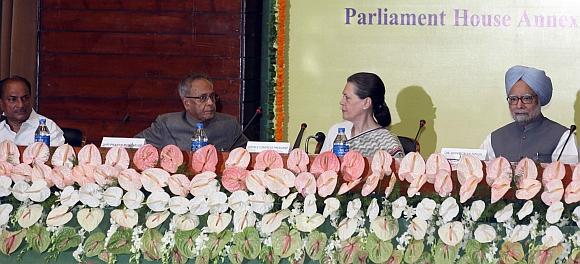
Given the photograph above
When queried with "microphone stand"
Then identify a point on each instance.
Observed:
(572, 129)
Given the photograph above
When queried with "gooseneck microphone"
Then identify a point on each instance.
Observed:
(299, 137)
(245, 127)
(572, 129)
(422, 123)
(319, 137)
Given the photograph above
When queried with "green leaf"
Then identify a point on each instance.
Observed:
(217, 243)
(203, 257)
(94, 244)
(151, 244)
(66, 238)
(396, 257)
(177, 257)
(414, 251)
(511, 253)
(120, 242)
(426, 258)
(545, 256)
(286, 241)
(475, 251)
(249, 242)
(379, 251)
(574, 256)
(443, 253)
(38, 238)
(349, 251)
(11, 240)
(316, 244)
(267, 256)
(236, 256)
(185, 242)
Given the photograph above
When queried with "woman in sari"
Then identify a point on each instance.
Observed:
(366, 117)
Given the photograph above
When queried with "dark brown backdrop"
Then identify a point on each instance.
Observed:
(101, 61)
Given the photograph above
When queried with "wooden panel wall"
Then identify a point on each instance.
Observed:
(102, 60)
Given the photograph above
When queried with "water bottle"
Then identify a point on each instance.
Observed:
(42, 134)
(340, 146)
(199, 138)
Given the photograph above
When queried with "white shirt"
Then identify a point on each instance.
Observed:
(570, 154)
(25, 135)
(333, 132)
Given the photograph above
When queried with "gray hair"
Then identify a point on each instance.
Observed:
(185, 84)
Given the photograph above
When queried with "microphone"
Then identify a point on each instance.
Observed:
(422, 123)
(299, 137)
(572, 129)
(244, 128)
(319, 137)
(124, 121)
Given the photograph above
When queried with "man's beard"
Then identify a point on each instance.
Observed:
(524, 118)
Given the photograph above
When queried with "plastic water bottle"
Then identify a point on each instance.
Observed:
(199, 138)
(340, 146)
(42, 134)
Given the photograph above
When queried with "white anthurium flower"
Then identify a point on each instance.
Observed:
(519, 233)
(310, 208)
(178, 205)
(271, 221)
(526, 210)
(385, 228)
(484, 233)
(133, 199)
(90, 218)
(156, 219)
(204, 184)
(125, 217)
(59, 216)
(576, 216)
(331, 205)
(218, 222)
(5, 184)
(373, 210)
(38, 191)
(476, 209)
(307, 223)
(217, 202)
(449, 209)
(451, 233)
(346, 228)
(554, 212)
(239, 201)
(19, 191)
(69, 196)
(91, 194)
(158, 201)
(398, 207)
(154, 179)
(186, 222)
(113, 195)
(425, 209)
(29, 215)
(255, 182)
(505, 213)
(353, 208)
(198, 205)
(5, 210)
(243, 219)
(287, 201)
(418, 228)
(261, 203)
(553, 237)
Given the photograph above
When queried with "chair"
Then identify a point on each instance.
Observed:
(409, 145)
(73, 136)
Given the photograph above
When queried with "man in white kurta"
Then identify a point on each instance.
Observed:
(531, 134)
(19, 120)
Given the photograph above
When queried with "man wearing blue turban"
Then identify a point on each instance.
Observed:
(531, 134)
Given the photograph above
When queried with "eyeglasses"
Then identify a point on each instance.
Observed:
(526, 99)
(203, 99)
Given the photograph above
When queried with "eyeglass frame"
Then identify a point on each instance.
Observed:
(204, 98)
(522, 98)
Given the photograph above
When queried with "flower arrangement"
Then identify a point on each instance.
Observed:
(268, 219)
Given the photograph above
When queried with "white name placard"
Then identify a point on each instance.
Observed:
(259, 146)
(456, 153)
(134, 143)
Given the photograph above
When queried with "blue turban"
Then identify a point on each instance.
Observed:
(536, 79)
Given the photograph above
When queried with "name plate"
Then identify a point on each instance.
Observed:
(259, 146)
(457, 153)
(134, 143)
